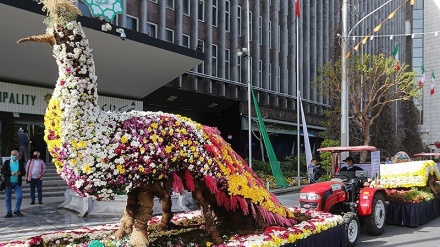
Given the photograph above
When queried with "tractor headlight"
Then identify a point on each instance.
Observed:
(309, 196)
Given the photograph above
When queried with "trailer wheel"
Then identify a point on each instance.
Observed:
(375, 222)
(352, 228)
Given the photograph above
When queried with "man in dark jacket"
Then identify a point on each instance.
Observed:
(13, 170)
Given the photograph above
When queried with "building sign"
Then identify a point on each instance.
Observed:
(105, 8)
(33, 100)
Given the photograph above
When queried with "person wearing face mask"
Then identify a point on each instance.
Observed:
(13, 170)
(35, 169)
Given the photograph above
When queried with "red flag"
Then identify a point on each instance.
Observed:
(297, 8)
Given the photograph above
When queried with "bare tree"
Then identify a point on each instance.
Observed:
(374, 81)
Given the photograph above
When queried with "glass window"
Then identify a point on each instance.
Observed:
(185, 40)
(84, 9)
(186, 8)
(270, 35)
(201, 67)
(151, 29)
(270, 76)
(239, 69)
(227, 16)
(169, 35)
(227, 64)
(154, 1)
(132, 23)
(170, 4)
(260, 72)
(214, 60)
(260, 23)
(239, 21)
(214, 13)
(250, 25)
(201, 11)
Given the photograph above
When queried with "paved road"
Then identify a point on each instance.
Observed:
(46, 218)
(427, 235)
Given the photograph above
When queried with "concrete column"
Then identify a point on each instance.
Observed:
(244, 39)
(233, 44)
(208, 45)
(291, 52)
(264, 99)
(143, 7)
(161, 22)
(283, 51)
(194, 23)
(305, 85)
(221, 45)
(178, 22)
(274, 51)
(122, 18)
(256, 44)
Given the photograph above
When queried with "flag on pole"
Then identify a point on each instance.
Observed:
(308, 150)
(396, 56)
(297, 8)
(422, 77)
(432, 83)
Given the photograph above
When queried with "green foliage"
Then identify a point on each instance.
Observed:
(262, 167)
(368, 99)
(326, 157)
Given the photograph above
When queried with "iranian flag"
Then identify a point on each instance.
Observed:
(432, 82)
(396, 56)
(422, 77)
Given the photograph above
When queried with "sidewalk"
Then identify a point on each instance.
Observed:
(39, 219)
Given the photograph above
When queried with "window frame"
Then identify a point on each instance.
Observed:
(172, 35)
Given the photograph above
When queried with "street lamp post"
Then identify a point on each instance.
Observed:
(245, 52)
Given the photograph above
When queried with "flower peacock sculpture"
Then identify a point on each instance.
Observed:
(144, 154)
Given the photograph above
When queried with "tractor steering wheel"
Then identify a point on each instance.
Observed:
(344, 177)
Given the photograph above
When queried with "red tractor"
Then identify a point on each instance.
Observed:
(347, 195)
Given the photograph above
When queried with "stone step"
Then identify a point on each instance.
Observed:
(27, 194)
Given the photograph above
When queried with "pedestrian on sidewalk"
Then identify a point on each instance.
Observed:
(23, 144)
(35, 169)
(13, 170)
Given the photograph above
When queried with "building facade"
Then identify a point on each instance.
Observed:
(215, 92)
(217, 28)
(429, 17)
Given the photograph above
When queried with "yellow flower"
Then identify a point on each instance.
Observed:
(87, 169)
(124, 139)
(154, 125)
(167, 149)
(208, 244)
(141, 169)
(142, 149)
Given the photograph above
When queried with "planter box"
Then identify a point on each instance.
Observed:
(412, 214)
(87, 207)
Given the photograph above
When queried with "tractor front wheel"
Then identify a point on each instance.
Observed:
(375, 222)
(351, 227)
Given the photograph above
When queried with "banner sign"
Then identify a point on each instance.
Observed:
(33, 100)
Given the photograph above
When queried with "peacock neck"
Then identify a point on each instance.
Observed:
(76, 87)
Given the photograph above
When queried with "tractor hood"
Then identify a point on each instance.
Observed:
(320, 188)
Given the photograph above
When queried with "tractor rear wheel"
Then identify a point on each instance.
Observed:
(351, 227)
(375, 222)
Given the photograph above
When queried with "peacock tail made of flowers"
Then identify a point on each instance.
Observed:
(102, 154)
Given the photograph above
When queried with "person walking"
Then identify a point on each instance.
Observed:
(35, 169)
(23, 144)
(13, 170)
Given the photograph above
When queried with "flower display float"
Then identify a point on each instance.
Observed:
(144, 154)
(408, 174)
(271, 236)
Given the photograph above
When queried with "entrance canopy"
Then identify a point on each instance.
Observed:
(128, 69)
